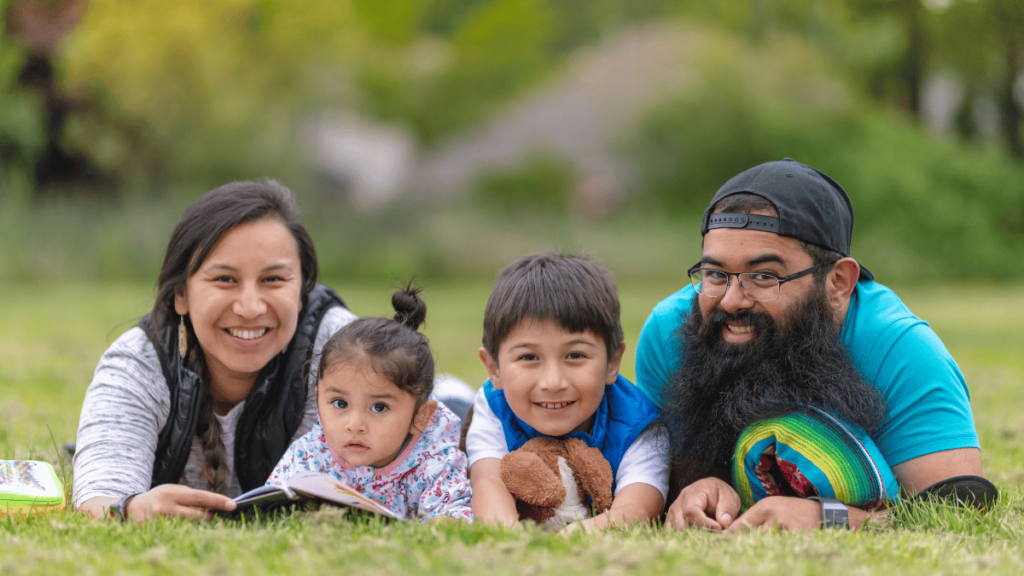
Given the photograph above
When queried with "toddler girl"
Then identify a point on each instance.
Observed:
(378, 429)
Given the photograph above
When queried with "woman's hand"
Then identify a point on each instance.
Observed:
(175, 500)
(171, 500)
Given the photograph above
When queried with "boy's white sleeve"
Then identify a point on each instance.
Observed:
(646, 461)
(486, 437)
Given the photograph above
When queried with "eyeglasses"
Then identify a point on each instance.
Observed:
(760, 286)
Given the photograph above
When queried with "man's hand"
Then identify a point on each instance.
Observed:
(708, 503)
(780, 512)
(790, 514)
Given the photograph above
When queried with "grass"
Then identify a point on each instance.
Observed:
(54, 334)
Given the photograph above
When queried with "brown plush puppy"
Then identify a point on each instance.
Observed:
(550, 478)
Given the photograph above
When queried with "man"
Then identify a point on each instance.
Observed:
(779, 318)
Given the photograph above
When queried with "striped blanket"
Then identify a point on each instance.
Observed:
(811, 454)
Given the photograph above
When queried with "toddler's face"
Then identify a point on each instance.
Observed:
(365, 417)
(553, 379)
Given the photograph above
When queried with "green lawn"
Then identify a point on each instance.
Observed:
(53, 335)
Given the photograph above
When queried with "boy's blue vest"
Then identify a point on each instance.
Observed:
(623, 414)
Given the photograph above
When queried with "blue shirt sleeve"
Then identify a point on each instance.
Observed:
(658, 349)
(927, 401)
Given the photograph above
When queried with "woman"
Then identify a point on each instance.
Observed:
(199, 401)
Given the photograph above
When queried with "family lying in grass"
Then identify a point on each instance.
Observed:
(756, 405)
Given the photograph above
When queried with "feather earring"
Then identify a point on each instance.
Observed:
(182, 338)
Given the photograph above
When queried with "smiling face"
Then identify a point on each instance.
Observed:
(366, 418)
(243, 303)
(553, 379)
(735, 250)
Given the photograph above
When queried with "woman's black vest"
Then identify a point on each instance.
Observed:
(273, 410)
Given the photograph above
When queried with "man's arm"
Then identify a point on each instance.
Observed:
(919, 473)
(492, 502)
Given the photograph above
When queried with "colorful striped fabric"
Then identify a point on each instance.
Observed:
(811, 454)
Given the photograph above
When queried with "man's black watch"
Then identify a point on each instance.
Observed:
(834, 514)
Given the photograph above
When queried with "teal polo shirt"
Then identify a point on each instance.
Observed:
(927, 402)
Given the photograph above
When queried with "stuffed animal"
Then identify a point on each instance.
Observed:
(551, 478)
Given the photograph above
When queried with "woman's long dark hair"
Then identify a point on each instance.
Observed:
(204, 223)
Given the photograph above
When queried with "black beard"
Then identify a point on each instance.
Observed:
(721, 388)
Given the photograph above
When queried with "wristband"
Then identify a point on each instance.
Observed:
(834, 514)
(119, 509)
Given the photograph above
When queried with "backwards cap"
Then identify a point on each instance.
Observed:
(812, 206)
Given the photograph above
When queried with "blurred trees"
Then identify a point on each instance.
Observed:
(890, 47)
(30, 148)
(983, 41)
(213, 86)
(463, 57)
(153, 95)
(926, 207)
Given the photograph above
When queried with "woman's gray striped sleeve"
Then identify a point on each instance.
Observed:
(125, 407)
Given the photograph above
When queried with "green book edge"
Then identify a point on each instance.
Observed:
(20, 503)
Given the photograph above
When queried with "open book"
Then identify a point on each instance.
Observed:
(29, 487)
(314, 487)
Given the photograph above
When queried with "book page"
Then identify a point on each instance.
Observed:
(264, 494)
(321, 486)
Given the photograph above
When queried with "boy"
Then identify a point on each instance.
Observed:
(552, 346)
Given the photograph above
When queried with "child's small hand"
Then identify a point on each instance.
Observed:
(570, 528)
(584, 525)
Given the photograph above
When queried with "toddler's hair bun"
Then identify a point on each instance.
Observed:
(410, 309)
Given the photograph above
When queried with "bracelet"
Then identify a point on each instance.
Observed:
(834, 514)
(119, 510)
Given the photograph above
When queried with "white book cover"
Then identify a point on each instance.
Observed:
(28, 486)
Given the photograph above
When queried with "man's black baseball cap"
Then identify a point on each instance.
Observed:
(812, 206)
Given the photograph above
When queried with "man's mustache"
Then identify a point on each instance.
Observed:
(716, 321)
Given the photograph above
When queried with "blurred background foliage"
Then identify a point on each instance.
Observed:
(442, 138)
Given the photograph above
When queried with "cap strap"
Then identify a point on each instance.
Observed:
(741, 220)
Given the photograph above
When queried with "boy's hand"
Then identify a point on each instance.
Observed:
(708, 503)
(637, 502)
(492, 501)
(573, 527)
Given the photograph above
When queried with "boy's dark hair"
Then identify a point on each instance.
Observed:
(391, 348)
(572, 290)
